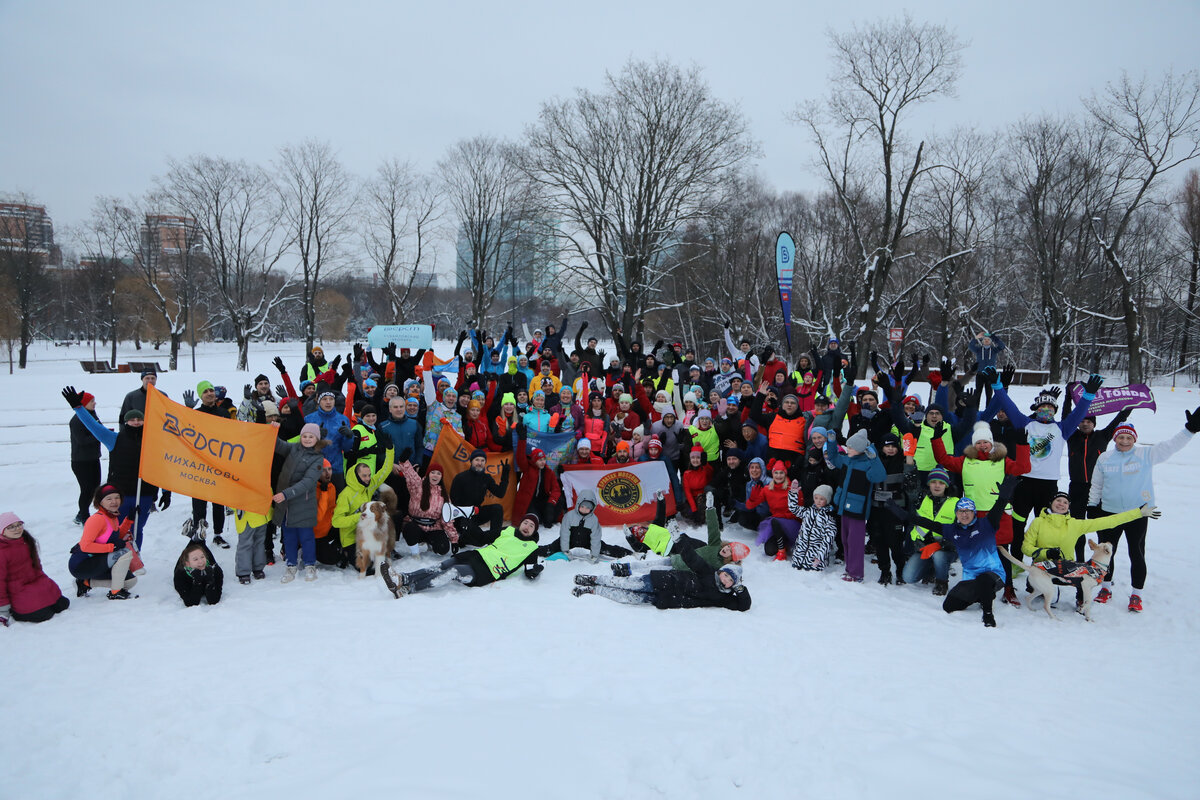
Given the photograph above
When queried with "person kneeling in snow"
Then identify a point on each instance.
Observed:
(513, 548)
(716, 553)
(975, 539)
(704, 586)
(198, 576)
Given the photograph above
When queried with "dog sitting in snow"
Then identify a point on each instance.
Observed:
(375, 534)
(1069, 573)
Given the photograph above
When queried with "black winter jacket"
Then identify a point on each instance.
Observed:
(695, 589)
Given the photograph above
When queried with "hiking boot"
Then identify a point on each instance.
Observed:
(1010, 597)
(122, 594)
(620, 569)
(219, 540)
(1135, 602)
(885, 578)
(80, 519)
(389, 580)
(289, 575)
(310, 573)
(580, 591)
(940, 588)
(585, 580)
(244, 580)
(82, 588)
(259, 574)
(1104, 596)
(989, 621)
(189, 528)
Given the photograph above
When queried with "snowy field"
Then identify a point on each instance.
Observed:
(333, 689)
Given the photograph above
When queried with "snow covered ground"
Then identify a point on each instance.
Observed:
(824, 689)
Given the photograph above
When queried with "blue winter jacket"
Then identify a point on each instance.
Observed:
(331, 423)
(406, 434)
(853, 496)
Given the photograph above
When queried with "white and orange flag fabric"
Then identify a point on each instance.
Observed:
(625, 491)
(453, 454)
(209, 458)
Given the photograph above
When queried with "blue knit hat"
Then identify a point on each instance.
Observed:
(938, 474)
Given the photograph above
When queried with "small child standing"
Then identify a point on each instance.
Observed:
(198, 576)
(818, 528)
(251, 558)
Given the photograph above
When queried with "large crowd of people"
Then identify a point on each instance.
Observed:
(795, 457)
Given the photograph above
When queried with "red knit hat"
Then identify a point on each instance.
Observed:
(1125, 427)
(86, 398)
(776, 463)
(536, 454)
(697, 449)
(738, 551)
(654, 441)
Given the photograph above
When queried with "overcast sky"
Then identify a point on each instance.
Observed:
(98, 95)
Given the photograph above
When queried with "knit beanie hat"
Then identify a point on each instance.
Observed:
(1044, 399)
(148, 372)
(859, 441)
(259, 378)
(270, 409)
(625, 398)
(536, 454)
(1125, 427)
(9, 518)
(738, 551)
(824, 490)
(313, 428)
(965, 504)
(203, 386)
(654, 442)
(478, 452)
(703, 413)
(86, 398)
(732, 570)
(584, 444)
(938, 474)
(982, 432)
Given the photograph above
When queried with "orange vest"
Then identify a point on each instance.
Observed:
(326, 500)
(787, 434)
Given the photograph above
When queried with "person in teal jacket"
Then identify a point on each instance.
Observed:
(513, 549)
(853, 496)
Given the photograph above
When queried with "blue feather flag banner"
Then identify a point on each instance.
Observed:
(558, 447)
(785, 256)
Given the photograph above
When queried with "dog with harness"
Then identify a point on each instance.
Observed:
(1045, 576)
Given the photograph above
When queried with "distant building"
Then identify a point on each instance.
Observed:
(166, 235)
(26, 226)
(527, 267)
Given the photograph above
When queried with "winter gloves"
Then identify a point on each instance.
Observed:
(1150, 511)
(164, 502)
(75, 400)
(1193, 420)
(1092, 385)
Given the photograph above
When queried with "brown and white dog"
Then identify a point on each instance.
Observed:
(375, 534)
(1089, 577)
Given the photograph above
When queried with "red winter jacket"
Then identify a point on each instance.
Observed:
(694, 481)
(776, 497)
(530, 479)
(25, 587)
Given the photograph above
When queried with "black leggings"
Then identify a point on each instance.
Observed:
(888, 535)
(1135, 532)
(434, 537)
(1028, 500)
(43, 614)
(200, 511)
(87, 474)
(980, 589)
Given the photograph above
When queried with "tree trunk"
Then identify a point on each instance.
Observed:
(1133, 333)
(869, 316)
(176, 338)
(1054, 342)
(1191, 306)
(243, 343)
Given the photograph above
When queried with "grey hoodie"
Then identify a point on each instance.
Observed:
(574, 519)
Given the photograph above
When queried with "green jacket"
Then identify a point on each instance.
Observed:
(355, 496)
(710, 552)
(506, 555)
(1062, 531)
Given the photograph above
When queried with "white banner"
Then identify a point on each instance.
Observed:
(626, 491)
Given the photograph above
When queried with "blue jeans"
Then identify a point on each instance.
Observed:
(307, 542)
(143, 514)
(917, 569)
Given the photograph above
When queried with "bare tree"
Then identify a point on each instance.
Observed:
(1189, 220)
(26, 247)
(400, 211)
(626, 171)
(493, 205)
(316, 196)
(236, 209)
(883, 71)
(170, 261)
(1155, 127)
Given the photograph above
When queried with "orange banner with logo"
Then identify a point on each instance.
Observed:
(453, 455)
(206, 457)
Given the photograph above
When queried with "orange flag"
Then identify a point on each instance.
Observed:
(206, 457)
(453, 455)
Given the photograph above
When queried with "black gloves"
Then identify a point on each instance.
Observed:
(405, 455)
(278, 362)
(1093, 384)
(280, 391)
(189, 398)
(966, 399)
(74, 399)
(247, 391)
(1193, 420)
(947, 370)
(387, 443)
(534, 571)
(345, 432)
(164, 501)
(989, 376)
(1007, 375)
(939, 430)
(358, 352)
(336, 360)
(1052, 554)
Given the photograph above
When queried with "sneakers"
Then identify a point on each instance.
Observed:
(259, 574)
(389, 580)
(80, 519)
(189, 528)
(585, 580)
(310, 573)
(219, 540)
(1010, 597)
(851, 579)
(270, 558)
(781, 555)
(885, 578)
(1135, 603)
(244, 580)
(580, 591)
(201, 532)
(123, 594)
(1104, 596)
(620, 569)
(82, 588)
(289, 575)
(989, 621)
(941, 588)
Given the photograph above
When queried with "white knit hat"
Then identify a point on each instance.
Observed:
(982, 432)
